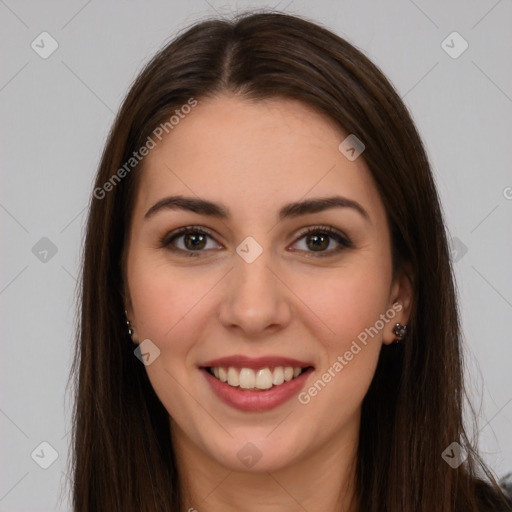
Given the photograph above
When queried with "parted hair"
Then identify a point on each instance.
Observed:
(122, 456)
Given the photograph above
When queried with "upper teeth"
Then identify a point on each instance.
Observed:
(264, 378)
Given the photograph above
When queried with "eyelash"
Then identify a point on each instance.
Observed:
(343, 240)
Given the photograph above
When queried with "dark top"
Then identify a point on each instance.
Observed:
(488, 499)
(506, 487)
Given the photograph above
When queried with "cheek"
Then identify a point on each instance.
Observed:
(351, 305)
(156, 308)
(348, 301)
(168, 303)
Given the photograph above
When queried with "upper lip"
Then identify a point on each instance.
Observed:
(240, 361)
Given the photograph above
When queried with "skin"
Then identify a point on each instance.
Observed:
(254, 157)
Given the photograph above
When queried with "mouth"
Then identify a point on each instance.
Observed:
(260, 384)
(250, 379)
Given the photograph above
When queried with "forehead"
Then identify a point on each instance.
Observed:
(252, 154)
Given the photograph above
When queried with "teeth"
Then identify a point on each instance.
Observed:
(247, 378)
(264, 378)
(233, 377)
(278, 376)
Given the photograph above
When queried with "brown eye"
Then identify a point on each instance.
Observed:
(320, 241)
(317, 241)
(189, 241)
(193, 241)
(320, 238)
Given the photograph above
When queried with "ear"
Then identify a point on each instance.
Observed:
(400, 301)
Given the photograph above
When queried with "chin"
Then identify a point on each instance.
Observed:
(256, 454)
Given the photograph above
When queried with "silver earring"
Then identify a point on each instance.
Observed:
(399, 331)
(130, 330)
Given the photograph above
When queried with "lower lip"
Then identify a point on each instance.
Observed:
(257, 400)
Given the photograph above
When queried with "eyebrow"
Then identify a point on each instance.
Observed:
(291, 210)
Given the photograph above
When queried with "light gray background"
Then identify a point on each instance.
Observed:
(55, 114)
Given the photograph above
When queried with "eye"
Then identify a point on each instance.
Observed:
(319, 238)
(190, 241)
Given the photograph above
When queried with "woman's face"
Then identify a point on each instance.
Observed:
(251, 294)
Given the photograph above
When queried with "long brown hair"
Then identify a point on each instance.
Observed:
(122, 456)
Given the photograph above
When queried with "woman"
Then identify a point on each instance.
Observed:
(268, 311)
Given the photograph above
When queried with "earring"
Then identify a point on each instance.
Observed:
(399, 331)
(130, 330)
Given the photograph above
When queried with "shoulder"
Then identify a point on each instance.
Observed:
(489, 499)
(506, 486)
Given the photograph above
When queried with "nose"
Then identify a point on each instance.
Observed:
(256, 300)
